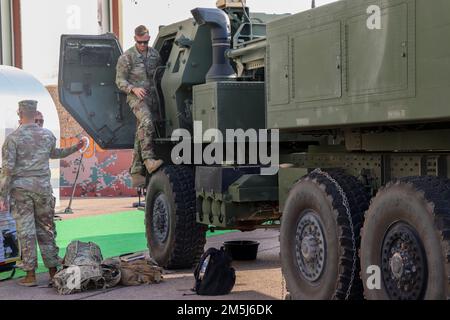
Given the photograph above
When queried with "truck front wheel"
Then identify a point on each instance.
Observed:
(405, 246)
(175, 239)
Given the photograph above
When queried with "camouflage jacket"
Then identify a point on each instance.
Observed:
(25, 160)
(135, 70)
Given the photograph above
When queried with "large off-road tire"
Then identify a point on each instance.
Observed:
(320, 238)
(175, 239)
(406, 235)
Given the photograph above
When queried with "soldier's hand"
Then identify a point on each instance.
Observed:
(140, 93)
(81, 144)
(3, 205)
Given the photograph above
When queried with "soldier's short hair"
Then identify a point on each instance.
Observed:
(141, 31)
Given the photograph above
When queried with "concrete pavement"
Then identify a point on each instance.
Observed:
(255, 280)
(85, 207)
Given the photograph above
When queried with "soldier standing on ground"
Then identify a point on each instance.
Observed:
(57, 153)
(26, 179)
(39, 119)
(135, 73)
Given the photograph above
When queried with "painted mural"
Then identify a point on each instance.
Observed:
(103, 173)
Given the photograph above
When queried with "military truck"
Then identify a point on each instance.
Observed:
(359, 92)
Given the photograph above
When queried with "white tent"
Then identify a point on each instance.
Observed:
(17, 85)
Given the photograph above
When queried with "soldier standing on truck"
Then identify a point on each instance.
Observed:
(135, 76)
(26, 179)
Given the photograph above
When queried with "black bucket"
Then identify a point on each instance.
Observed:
(242, 250)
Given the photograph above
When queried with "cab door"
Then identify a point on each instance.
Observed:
(87, 89)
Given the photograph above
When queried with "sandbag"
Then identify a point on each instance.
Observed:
(83, 270)
(111, 274)
(82, 254)
(75, 279)
(139, 272)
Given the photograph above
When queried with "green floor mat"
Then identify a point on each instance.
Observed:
(116, 234)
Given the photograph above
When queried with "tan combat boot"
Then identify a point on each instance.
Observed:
(137, 180)
(29, 280)
(52, 272)
(153, 165)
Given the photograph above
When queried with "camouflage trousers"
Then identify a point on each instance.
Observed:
(34, 215)
(143, 142)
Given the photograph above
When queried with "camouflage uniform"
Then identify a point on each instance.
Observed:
(26, 178)
(135, 70)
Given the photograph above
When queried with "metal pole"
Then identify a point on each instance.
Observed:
(69, 207)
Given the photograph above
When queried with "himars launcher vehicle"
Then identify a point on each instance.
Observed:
(360, 93)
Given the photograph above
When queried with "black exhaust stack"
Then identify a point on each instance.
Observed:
(220, 35)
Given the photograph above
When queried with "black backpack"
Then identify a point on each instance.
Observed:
(214, 275)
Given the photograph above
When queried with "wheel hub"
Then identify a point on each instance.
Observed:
(397, 265)
(404, 263)
(161, 217)
(310, 246)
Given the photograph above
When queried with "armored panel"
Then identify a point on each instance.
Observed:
(316, 63)
(230, 105)
(186, 52)
(88, 91)
(378, 59)
(219, 179)
(278, 65)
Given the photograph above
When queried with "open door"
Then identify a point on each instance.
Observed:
(87, 89)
